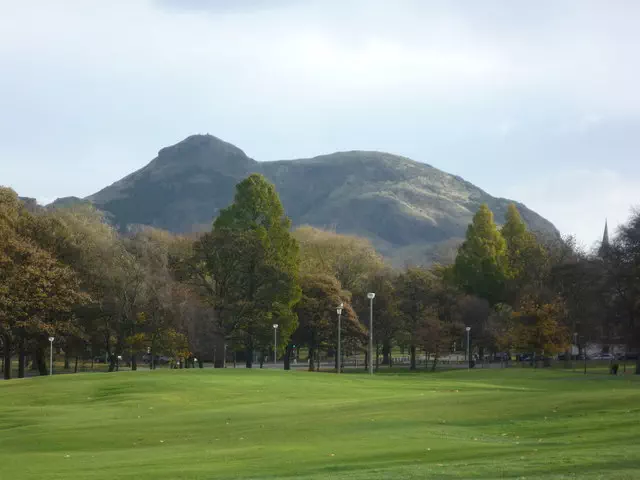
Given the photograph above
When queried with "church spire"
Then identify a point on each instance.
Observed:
(604, 246)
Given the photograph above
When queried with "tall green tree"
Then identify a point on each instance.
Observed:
(260, 270)
(527, 260)
(481, 266)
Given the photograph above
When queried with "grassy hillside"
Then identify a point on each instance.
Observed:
(411, 211)
(203, 424)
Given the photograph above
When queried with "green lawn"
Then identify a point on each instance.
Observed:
(204, 424)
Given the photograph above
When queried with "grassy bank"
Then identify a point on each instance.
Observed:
(202, 424)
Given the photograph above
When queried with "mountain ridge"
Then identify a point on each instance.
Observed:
(408, 209)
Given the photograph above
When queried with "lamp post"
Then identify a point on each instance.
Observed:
(575, 342)
(51, 339)
(339, 312)
(371, 296)
(468, 329)
(275, 343)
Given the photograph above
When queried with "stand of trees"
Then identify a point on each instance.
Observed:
(144, 293)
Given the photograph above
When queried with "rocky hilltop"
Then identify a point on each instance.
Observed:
(411, 211)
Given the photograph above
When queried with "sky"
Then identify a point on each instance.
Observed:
(534, 101)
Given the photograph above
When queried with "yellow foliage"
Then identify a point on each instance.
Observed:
(538, 327)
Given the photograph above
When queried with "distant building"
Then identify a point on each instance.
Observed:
(605, 245)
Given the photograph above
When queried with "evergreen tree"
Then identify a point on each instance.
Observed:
(261, 267)
(514, 232)
(481, 266)
(527, 262)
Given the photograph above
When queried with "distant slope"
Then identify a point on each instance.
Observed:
(411, 211)
(182, 189)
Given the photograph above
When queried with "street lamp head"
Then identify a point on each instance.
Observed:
(371, 295)
(51, 339)
(468, 329)
(119, 357)
(339, 309)
(275, 325)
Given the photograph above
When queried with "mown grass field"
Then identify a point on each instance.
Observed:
(206, 424)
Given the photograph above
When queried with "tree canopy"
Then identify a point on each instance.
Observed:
(481, 266)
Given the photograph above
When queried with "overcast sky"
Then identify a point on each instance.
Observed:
(535, 101)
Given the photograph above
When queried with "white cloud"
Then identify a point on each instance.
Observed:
(579, 201)
(90, 90)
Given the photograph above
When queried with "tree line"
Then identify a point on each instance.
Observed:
(67, 273)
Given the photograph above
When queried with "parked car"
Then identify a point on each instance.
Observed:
(159, 359)
(603, 356)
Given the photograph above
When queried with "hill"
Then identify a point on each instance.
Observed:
(409, 210)
(270, 424)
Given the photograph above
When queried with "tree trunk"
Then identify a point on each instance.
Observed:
(287, 357)
(638, 365)
(386, 353)
(21, 358)
(311, 359)
(41, 362)
(568, 362)
(112, 362)
(134, 362)
(318, 358)
(249, 359)
(377, 357)
(434, 363)
(534, 363)
(366, 359)
(6, 348)
(219, 352)
(412, 352)
(75, 368)
(66, 360)
(34, 365)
